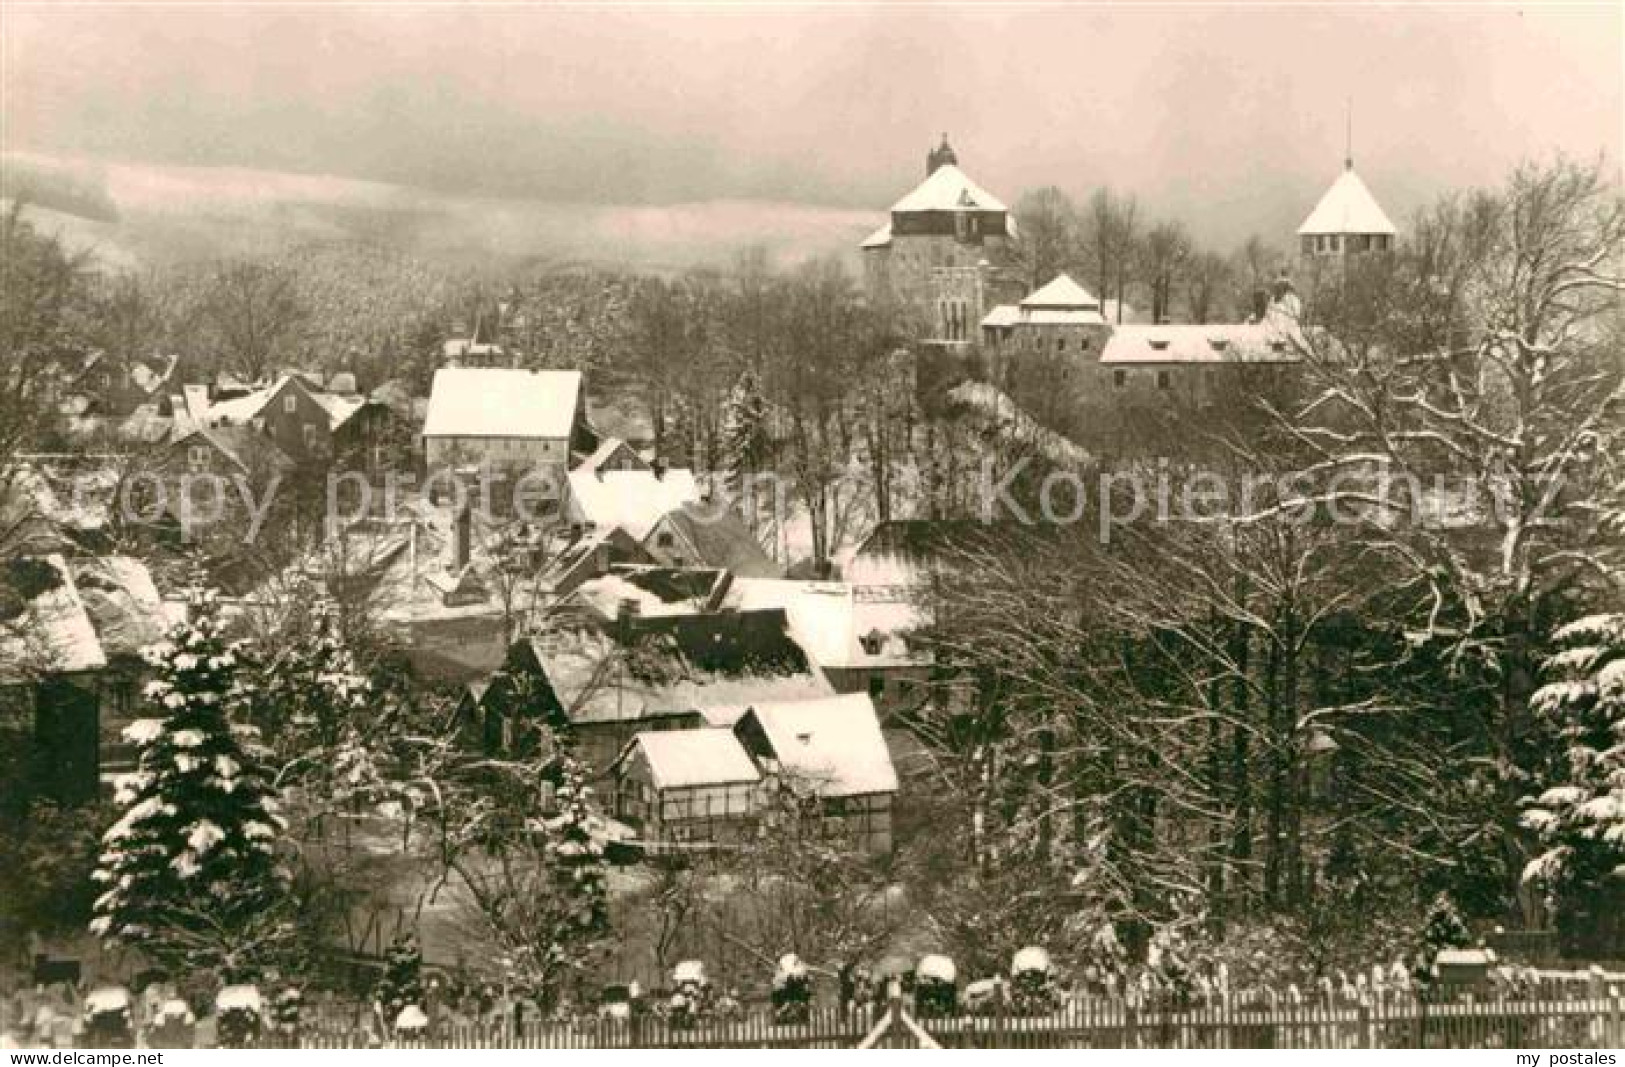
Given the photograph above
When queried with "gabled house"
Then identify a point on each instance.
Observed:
(309, 424)
(824, 758)
(510, 422)
(607, 681)
(829, 753)
(686, 787)
(70, 670)
(701, 535)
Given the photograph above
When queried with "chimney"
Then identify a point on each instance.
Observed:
(625, 612)
(462, 529)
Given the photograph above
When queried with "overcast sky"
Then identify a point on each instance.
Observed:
(1230, 117)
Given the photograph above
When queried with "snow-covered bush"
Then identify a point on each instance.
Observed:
(936, 992)
(239, 1016)
(792, 990)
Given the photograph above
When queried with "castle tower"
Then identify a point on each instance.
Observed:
(1347, 221)
(936, 252)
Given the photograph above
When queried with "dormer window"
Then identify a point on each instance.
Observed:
(1277, 346)
(1159, 343)
(872, 642)
(1219, 343)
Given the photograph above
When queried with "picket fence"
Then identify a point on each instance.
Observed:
(1389, 1022)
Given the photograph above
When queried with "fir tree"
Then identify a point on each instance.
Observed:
(579, 874)
(1580, 817)
(744, 430)
(190, 868)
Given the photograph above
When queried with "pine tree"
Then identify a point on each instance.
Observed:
(190, 868)
(744, 430)
(1580, 818)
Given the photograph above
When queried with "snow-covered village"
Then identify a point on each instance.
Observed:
(608, 528)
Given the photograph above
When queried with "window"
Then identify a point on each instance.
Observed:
(1336, 242)
(1308, 243)
(1119, 379)
(664, 539)
(1164, 379)
(308, 431)
(877, 686)
(290, 403)
(197, 457)
(1060, 345)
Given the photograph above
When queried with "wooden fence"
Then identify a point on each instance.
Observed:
(1399, 1022)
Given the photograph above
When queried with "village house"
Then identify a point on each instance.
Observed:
(70, 671)
(706, 535)
(309, 424)
(686, 787)
(608, 681)
(754, 768)
(509, 424)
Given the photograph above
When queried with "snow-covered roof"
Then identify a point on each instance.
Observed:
(832, 623)
(123, 602)
(682, 758)
(881, 238)
(1229, 343)
(612, 448)
(1060, 292)
(681, 663)
(713, 537)
(655, 591)
(498, 402)
(1347, 207)
(940, 968)
(632, 500)
(1002, 315)
(53, 632)
(340, 409)
(949, 189)
(832, 746)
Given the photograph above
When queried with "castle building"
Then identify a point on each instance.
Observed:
(937, 252)
(1347, 221)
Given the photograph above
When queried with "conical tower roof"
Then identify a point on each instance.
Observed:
(1347, 207)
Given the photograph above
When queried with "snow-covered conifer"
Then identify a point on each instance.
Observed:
(190, 869)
